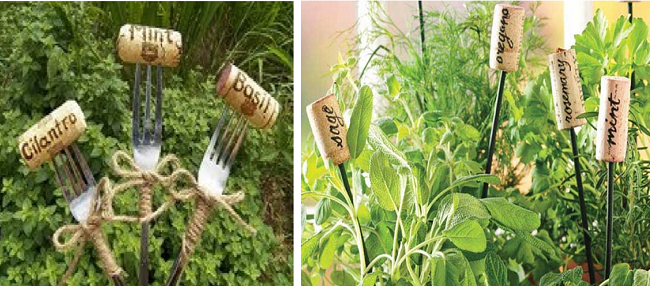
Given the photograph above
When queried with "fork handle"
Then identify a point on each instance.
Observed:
(190, 238)
(108, 261)
(145, 210)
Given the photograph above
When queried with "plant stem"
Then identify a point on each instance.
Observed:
(355, 220)
(583, 207)
(610, 221)
(495, 125)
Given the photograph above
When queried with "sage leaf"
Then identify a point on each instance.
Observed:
(511, 215)
(641, 277)
(360, 122)
(380, 142)
(323, 211)
(438, 270)
(385, 183)
(496, 271)
(342, 278)
(621, 275)
(308, 247)
(468, 236)
(328, 250)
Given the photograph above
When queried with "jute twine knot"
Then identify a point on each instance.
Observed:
(179, 184)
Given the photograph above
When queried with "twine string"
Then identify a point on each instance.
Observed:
(179, 184)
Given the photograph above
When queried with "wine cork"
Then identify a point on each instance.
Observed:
(505, 43)
(245, 95)
(329, 129)
(611, 136)
(57, 130)
(148, 45)
(567, 90)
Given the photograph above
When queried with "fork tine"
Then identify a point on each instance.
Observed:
(158, 124)
(222, 140)
(231, 140)
(75, 178)
(215, 135)
(136, 106)
(88, 175)
(147, 111)
(233, 154)
(60, 179)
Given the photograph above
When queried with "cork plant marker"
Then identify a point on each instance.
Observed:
(330, 134)
(505, 43)
(567, 95)
(53, 140)
(611, 141)
(147, 46)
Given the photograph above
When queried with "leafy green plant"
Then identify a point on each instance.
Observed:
(53, 52)
(602, 49)
(421, 224)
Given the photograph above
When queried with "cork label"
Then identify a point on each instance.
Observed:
(613, 118)
(503, 36)
(243, 94)
(253, 101)
(335, 123)
(568, 111)
(328, 127)
(148, 45)
(611, 139)
(51, 134)
(38, 144)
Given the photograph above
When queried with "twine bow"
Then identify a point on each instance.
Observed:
(135, 177)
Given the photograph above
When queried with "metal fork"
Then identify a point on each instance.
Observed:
(146, 152)
(213, 174)
(79, 189)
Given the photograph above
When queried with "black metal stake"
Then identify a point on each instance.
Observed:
(495, 125)
(610, 218)
(346, 184)
(583, 207)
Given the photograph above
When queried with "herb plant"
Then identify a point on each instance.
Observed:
(53, 52)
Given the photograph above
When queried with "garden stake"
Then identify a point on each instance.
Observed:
(505, 43)
(567, 95)
(611, 141)
(330, 135)
(260, 110)
(149, 46)
(44, 142)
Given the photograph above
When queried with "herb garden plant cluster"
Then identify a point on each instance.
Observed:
(412, 212)
(54, 52)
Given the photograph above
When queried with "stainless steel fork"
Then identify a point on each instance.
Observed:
(79, 189)
(213, 175)
(146, 152)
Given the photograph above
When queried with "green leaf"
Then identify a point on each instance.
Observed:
(370, 279)
(380, 142)
(571, 277)
(323, 211)
(342, 278)
(621, 275)
(510, 215)
(394, 87)
(328, 251)
(641, 277)
(308, 247)
(360, 122)
(438, 270)
(479, 178)
(497, 273)
(468, 236)
(386, 184)
(387, 125)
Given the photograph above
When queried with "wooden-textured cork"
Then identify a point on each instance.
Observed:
(57, 130)
(149, 45)
(505, 43)
(243, 94)
(567, 90)
(328, 126)
(611, 136)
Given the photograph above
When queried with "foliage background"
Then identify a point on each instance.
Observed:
(52, 52)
